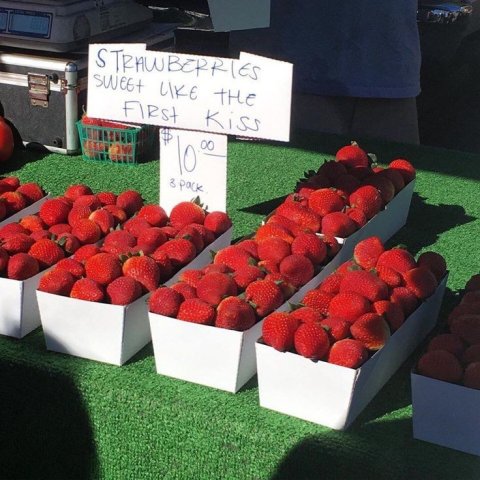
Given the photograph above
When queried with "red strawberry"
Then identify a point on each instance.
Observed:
(305, 218)
(332, 169)
(39, 234)
(265, 295)
(331, 284)
(368, 199)
(472, 297)
(165, 301)
(103, 268)
(358, 216)
(60, 229)
(90, 201)
(123, 291)
(3, 209)
(57, 281)
(235, 314)
(338, 224)
(12, 182)
(467, 327)
(441, 365)
(211, 267)
(310, 246)
(150, 239)
(213, 287)
(72, 192)
(11, 228)
(54, 210)
(405, 298)
(70, 243)
(121, 238)
(392, 312)
(364, 283)
(367, 252)
(352, 156)
(87, 231)
(311, 341)
(447, 341)
(77, 213)
(471, 376)
(87, 289)
(217, 222)
(297, 269)
(349, 306)
(250, 246)
(4, 256)
(421, 281)
(306, 315)
(405, 168)
(19, 242)
(333, 245)
(434, 262)
(325, 200)
(130, 201)
(191, 276)
(180, 251)
(47, 252)
(164, 264)
(196, 311)
(144, 269)
(107, 198)
(383, 184)
(293, 228)
(397, 258)
(473, 283)
(286, 287)
(273, 249)
(73, 266)
(136, 226)
(348, 353)
(184, 213)
(119, 214)
(104, 219)
(270, 230)
(194, 235)
(278, 331)
(155, 215)
(318, 300)
(471, 354)
(13, 202)
(247, 274)
(21, 266)
(233, 257)
(372, 330)
(390, 276)
(169, 231)
(346, 184)
(85, 252)
(207, 236)
(268, 266)
(336, 328)
(395, 177)
(31, 191)
(185, 290)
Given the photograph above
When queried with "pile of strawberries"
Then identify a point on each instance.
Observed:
(62, 225)
(246, 281)
(344, 194)
(454, 355)
(15, 196)
(134, 259)
(353, 312)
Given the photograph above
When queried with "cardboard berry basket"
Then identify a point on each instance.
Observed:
(30, 210)
(103, 332)
(446, 414)
(333, 395)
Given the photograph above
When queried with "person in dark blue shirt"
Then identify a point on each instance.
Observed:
(356, 64)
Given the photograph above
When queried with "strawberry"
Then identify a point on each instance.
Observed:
(311, 341)
(447, 341)
(193, 234)
(390, 276)
(144, 269)
(212, 267)
(180, 251)
(13, 202)
(120, 238)
(274, 230)
(368, 199)
(185, 290)
(54, 210)
(306, 315)
(383, 184)
(130, 201)
(11, 228)
(78, 212)
(472, 297)
(287, 288)
(348, 353)
(90, 201)
(213, 287)
(265, 296)
(247, 274)
(107, 198)
(434, 262)
(85, 252)
(4, 256)
(164, 264)
(69, 242)
(12, 182)
(196, 311)
(72, 192)
(372, 330)
(471, 376)
(207, 236)
(234, 313)
(165, 301)
(250, 246)
(150, 239)
(47, 252)
(87, 231)
(310, 246)
(405, 298)
(318, 300)
(119, 214)
(405, 168)
(233, 256)
(3, 210)
(136, 225)
(217, 222)
(21, 266)
(349, 306)
(293, 228)
(19, 242)
(274, 249)
(60, 229)
(39, 234)
(441, 365)
(471, 354)
(297, 269)
(336, 328)
(473, 283)
(421, 281)
(305, 218)
(104, 219)
(395, 177)
(31, 191)
(87, 289)
(463, 309)
(278, 330)
(338, 224)
(332, 169)
(358, 216)
(333, 245)
(57, 281)
(364, 283)
(268, 266)
(467, 327)
(73, 266)
(123, 291)
(170, 231)
(346, 184)
(391, 312)
(325, 200)
(352, 156)
(367, 251)
(155, 215)
(397, 258)
(184, 213)
(103, 268)
(331, 284)
(191, 276)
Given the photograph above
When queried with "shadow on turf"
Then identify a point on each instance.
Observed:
(45, 429)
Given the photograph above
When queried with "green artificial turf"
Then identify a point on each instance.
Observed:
(65, 417)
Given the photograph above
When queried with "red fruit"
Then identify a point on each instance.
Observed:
(297, 269)
(191, 276)
(405, 168)
(333, 245)
(336, 328)
(471, 376)
(471, 354)
(318, 300)
(306, 315)
(234, 313)
(390, 276)
(72, 192)
(405, 298)
(349, 306)
(18, 242)
(207, 236)
(285, 286)
(441, 365)
(397, 258)
(278, 331)
(325, 200)
(348, 353)
(123, 291)
(107, 198)
(311, 246)
(250, 246)
(165, 301)
(467, 327)
(338, 224)
(352, 156)
(292, 227)
(120, 238)
(421, 281)
(447, 341)
(143, 269)
(395, 177)
(368, 199)
(12, 228)
(87, 289)
(473, 283)
(130, 201)
(70, 243)
(32, 223)
(164, 264)
(21, 266)
(305, 218)
(247, 274)
(273, 249)
(383, 184)
(47, 252)
(73, 266)
(332, 169)
(136, 226)
(434, 262)
(217, 222)
(367, 252)
(150, 239)
(119, 214)
(358, 216)
(391, 312)
(31, 191)
(191, 233)
(364, 283)
(471, 298)
(311, 341)
(184, 213)
(103, 268)
(54, 210)
(462, 309)
(214, 286)
(372, 330)
(7, 142)
(233, 257)
(268, 266)
(4, 256)
(155, 215)
(87, 231)
(90, 201)
(274, 230)
(346, 184)
(265, 296)
(57, 281)
(78, 212)
(13, 201)
(196, 311)
(104, 219)
(59, 229)
(180, 251)
(331, 284)
(85, 252)
(185, 290)
(11, 182)
(3, 209)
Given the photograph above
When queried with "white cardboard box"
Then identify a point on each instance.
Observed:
(446, 414)
(103, 332)
(30, 210)
(332, 395)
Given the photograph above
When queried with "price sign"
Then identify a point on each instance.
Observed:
(193, 164)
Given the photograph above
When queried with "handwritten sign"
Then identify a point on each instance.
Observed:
(249, 96)
(193, 164)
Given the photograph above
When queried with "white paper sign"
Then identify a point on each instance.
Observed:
(193, 164)
(249, 96)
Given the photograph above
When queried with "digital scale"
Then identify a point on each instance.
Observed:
(67, 25)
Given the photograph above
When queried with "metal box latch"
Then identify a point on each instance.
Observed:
(38, 89)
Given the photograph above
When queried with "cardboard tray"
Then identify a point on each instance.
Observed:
(103, 332)
(332, 395)
(446, 414)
